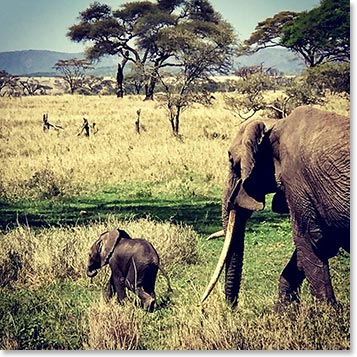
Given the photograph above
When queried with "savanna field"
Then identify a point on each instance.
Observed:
(59, 191)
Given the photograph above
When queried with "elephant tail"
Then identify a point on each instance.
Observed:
(163, 272)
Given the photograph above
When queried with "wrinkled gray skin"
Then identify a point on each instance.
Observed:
(305, 160)
(133, 262)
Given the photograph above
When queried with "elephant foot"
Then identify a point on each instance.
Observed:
(289, 298)
(148, 301)
(289, 286)
(149, 305)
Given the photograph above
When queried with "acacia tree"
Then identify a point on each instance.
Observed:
(137, 33)
(32, 86)
(268, 32)
(73, 72)
(209, 52)
(319, 35)
(119, 33)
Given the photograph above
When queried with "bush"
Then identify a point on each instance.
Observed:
(44, 184)
(333, 77)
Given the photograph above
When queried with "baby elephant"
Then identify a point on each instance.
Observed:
(134, 264)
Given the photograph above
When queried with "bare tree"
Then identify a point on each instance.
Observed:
(9, 84)
(32, 86)
(73, 72)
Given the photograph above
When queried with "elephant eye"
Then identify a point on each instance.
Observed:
(234, 166)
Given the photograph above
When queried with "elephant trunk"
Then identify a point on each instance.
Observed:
(234, 220)
(223, 256)
(234, 261)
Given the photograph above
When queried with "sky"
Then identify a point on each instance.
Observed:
(43, 24)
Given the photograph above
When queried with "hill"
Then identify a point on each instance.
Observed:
(32, 61)
(40, 63)
(279, 58)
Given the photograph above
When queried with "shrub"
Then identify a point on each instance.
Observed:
(44, 184)
(333, 77)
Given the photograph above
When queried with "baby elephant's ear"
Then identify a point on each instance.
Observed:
(123, 234)
(109, 241)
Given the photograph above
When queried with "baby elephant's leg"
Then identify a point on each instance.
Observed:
(147, 301)
(110, 290)
(119, 284)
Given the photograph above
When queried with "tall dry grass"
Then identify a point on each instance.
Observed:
(38, 163)
(43, 262)
(34, 257)
(113, 327)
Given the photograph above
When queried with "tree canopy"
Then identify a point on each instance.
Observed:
(153, 35)
(320, 35)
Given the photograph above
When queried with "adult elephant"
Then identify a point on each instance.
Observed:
(305, 160)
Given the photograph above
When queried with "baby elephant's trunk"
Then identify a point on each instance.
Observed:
(91, 273)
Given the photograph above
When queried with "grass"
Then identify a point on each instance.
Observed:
(58, 192)
(201, 213)
(48, 302)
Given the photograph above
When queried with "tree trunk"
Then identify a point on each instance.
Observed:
(175, 120)
(150, 88)
(120, 79)
(120, 76)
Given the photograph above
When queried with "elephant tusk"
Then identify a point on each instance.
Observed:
(216, 235)
(223, 256)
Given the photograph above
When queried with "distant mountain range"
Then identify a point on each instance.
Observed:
(279, 58)
(40, 63)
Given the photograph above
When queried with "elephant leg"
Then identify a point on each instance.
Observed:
(119, 284)
(317, 273)
(147, 300)
(148, 281)
(290, 282)
(109, 291)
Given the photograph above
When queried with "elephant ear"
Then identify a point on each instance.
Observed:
(257, 169)
(123, 234)
(108, 240)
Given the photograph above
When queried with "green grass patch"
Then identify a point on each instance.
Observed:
(201, 212)
(52, 317)
(47, 302)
